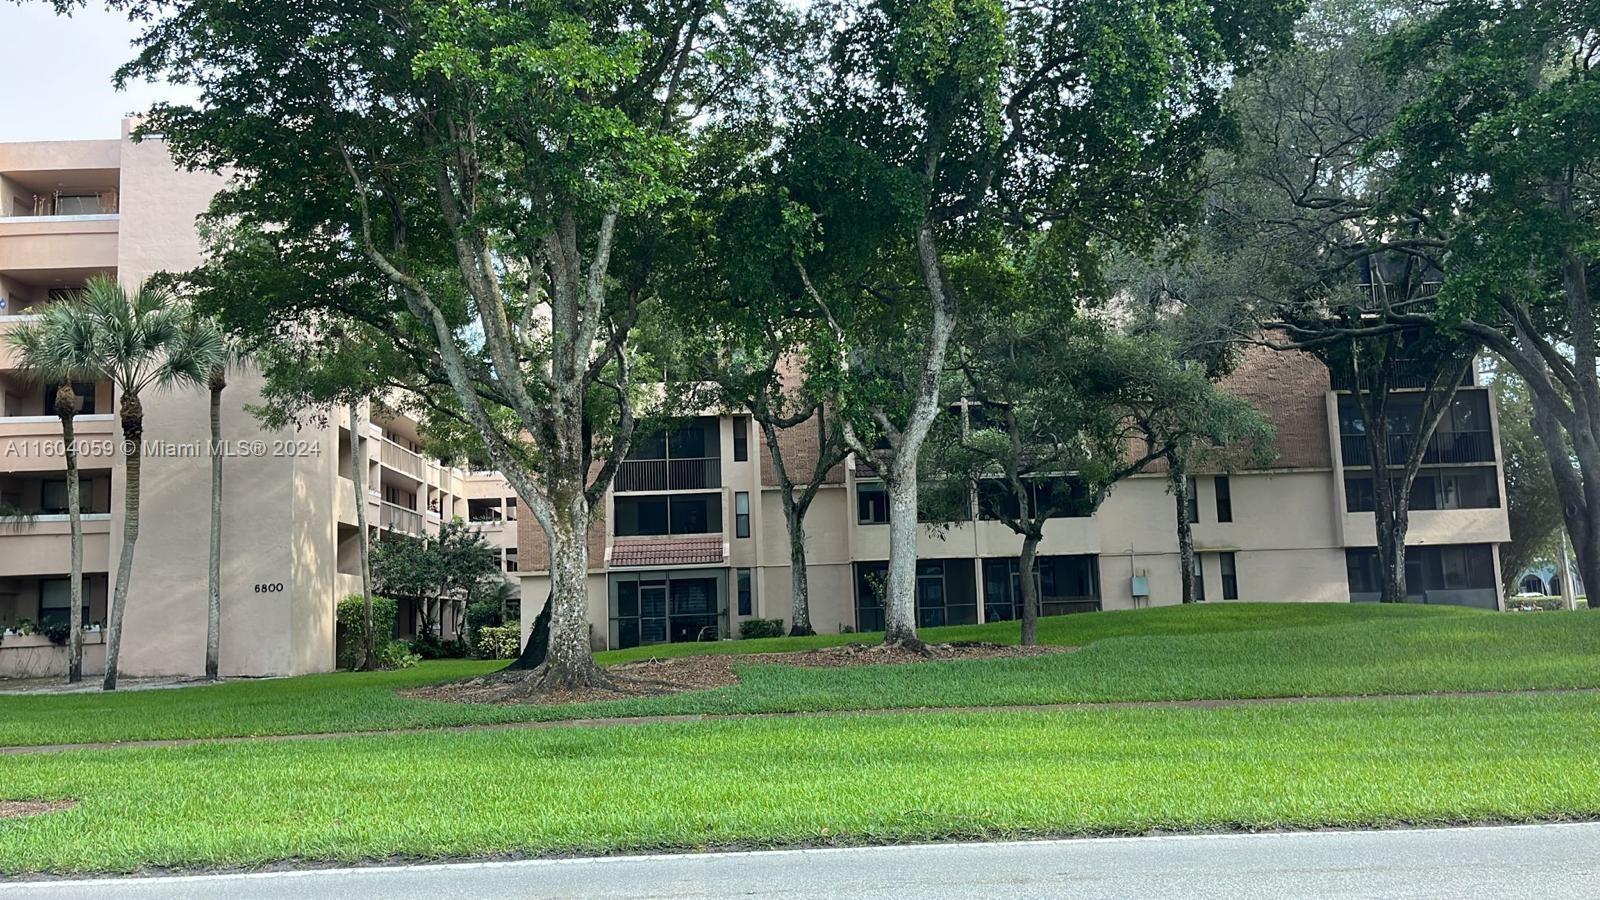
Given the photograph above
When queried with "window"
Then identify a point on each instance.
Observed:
(1476, 487)
(511, 509)
(741, 438)
(55, 601)
(741, 514)
(511, 559)
(53, 497)
(946, 593)
(1458, 567)
(1192, 510)
(872, 503)
(1230, 576)
(871, 582)
(1059, 497)
(696, 514)
(746, 601)
(1066, 584)
(664, 515)
(1224, 492)
(1199, 578)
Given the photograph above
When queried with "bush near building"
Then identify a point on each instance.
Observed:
(498, 641)
(350, 635)
(761, 628)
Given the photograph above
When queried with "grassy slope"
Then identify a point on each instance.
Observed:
(1214, 651)
(766, 781)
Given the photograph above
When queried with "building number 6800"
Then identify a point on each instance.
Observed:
(275, 587)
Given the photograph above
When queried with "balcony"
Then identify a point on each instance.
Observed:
(1446, 447)
(688, 474)
(33, 443)
(42, 545)
(398, 518)
(401, 460)
(58, 243)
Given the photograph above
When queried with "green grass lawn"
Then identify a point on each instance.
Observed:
(779, 781)
(1197, 652)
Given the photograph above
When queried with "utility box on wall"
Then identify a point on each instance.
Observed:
(1140, 585)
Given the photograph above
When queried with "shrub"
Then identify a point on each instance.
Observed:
(395, 655)
(350, 621)
(761, 628)
(499, 641)
(57, 632)
(432, 646)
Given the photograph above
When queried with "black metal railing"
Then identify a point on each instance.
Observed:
(1445, 447)
(669, 474)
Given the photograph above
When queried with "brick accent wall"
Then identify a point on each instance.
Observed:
(1290, 389)
(799, 446)
(533, 548)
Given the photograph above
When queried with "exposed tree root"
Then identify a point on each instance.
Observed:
(657, 677)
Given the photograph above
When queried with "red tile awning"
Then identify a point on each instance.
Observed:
(666, 551)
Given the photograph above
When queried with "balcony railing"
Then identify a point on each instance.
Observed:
(401, 459)
(398, 518)
(1446, 447)
(669, 474)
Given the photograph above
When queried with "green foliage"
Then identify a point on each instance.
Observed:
(428, 645)
(350, 621)
(498, 641)
(761, 628)
(57, 631)
(1532, 503)
(455, 566)
(136, 338)
(395, 655)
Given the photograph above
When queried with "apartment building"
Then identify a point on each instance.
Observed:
(693, 540)
(73, 210)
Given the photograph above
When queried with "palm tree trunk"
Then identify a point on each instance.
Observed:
(214, 564)
(67, 411)
(358, 476)
(132, 415)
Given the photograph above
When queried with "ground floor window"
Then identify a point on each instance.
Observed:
(661, 607)
(55, 601)
(946, 593)
(1067, 584)
(1228, 563)
(1458, 574)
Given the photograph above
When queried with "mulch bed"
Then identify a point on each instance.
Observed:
(658, 677)
(19, 809)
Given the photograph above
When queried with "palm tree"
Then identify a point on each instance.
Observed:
(50, 354)
(208, 333)
(140, 339)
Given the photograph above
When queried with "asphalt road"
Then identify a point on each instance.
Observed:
(1549, 862)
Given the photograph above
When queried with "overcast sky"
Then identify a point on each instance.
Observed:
(55, 83)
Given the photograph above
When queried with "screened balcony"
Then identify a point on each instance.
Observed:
(685, 458)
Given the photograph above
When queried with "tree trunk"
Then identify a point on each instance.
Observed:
(214, 563)
(67, 409)
(358, 478)
(538, 645)
(1391, 538)
(1179, 484)
(799, 582)
(569, 663)
(132, 416)
(1026, 565)
(900, 594)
